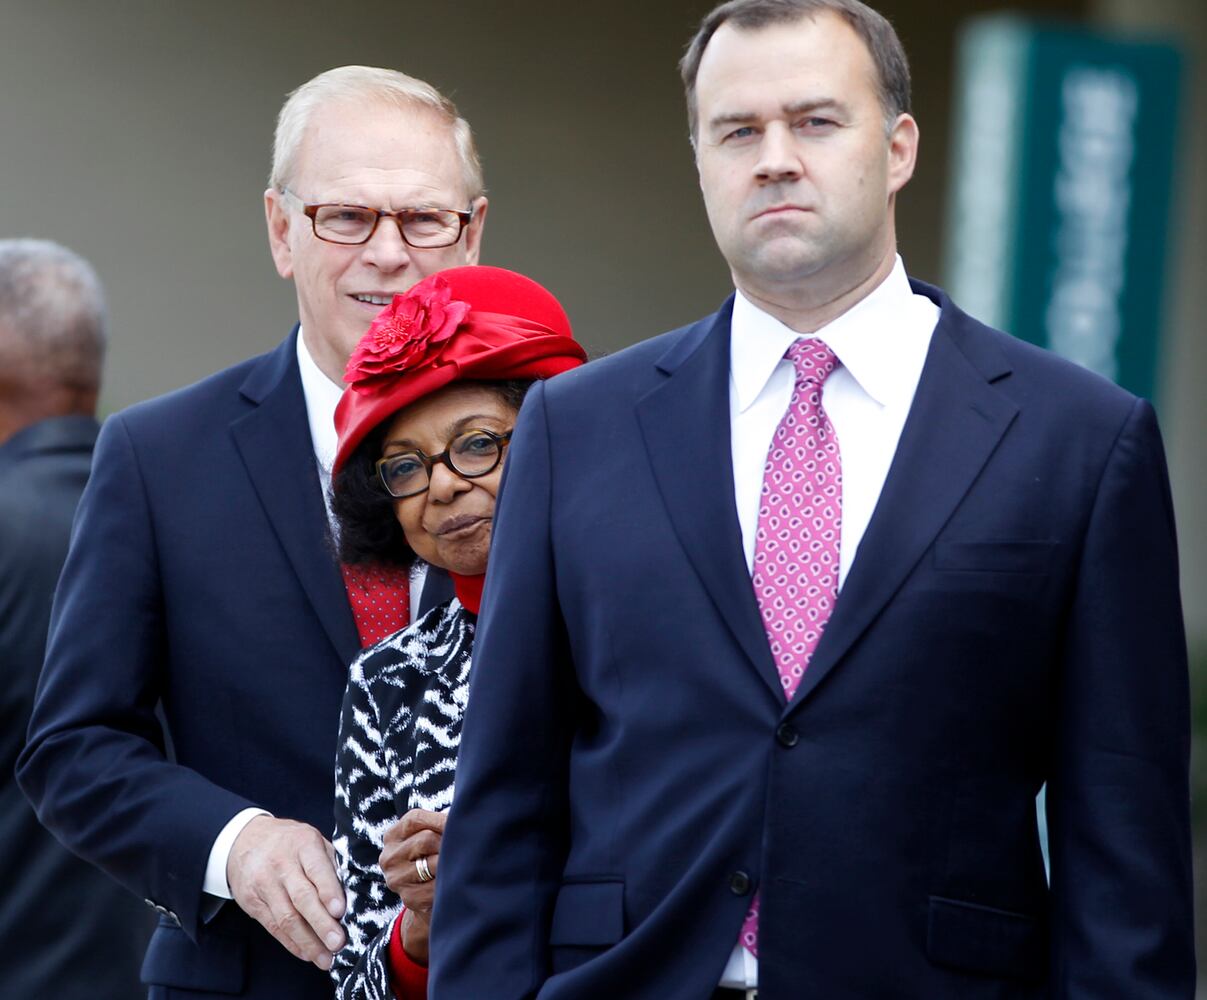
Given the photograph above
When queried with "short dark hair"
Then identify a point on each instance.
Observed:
(888, 55)
(369, 533)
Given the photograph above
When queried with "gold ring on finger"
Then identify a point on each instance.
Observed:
(425, 873)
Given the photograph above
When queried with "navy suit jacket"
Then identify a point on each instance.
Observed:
(630, 773)
(199, 576)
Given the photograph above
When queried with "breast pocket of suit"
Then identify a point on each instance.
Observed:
(971, 588)
(588, 918)
(999, 558)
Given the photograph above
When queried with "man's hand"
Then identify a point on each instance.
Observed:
(417, 835)
(282, 874)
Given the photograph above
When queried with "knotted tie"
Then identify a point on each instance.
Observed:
(795, 573)
(381, 600)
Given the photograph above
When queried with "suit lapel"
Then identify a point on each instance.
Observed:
(274, 443)
(954, 425)
(685, 424)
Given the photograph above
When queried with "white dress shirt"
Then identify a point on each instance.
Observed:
(322, 396)
(881, 344)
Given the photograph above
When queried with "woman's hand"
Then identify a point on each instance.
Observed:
(415, 930)
(416, 836)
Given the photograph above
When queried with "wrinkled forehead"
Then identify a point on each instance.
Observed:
(435, 419)
(817, 56)
(384, 148)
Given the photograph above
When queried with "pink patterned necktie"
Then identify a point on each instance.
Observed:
(795, 572)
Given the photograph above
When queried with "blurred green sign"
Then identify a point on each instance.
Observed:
(1060, 196)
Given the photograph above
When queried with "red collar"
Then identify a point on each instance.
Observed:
(469, 590)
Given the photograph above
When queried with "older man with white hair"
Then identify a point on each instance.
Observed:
(201, 576)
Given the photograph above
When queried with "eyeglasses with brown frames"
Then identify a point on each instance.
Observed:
(471, 454)
(352, 225)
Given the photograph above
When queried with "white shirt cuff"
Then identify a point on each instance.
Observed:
(215, 870)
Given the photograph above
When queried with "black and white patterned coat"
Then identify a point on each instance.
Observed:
(399, 733)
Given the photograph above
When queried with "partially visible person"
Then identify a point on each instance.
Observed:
(202, 575)
(73, 933)
(434, 389)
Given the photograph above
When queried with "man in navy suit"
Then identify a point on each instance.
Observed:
(201, 576)
(791, 613)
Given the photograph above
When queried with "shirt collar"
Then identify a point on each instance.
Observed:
(322, 396)
(867, 339)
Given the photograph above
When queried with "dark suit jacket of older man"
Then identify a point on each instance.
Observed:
(71, 931)
(630, 773)
(200, 574)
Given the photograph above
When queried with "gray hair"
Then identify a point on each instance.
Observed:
(875, 31)
(361, 84)
(52, 313)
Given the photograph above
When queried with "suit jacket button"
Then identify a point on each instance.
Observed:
(739, 883)
(787, 735)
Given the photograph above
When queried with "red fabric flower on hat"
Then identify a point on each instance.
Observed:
(407, 333)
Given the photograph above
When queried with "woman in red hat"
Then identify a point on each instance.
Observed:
(433, 392)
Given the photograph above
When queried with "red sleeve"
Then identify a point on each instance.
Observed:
(407, 976)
